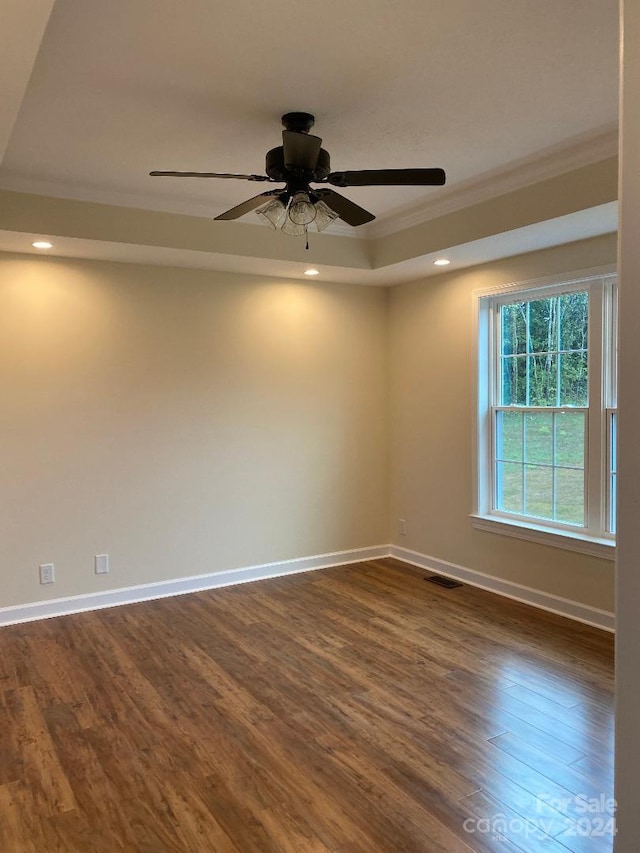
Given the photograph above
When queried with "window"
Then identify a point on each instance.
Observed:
(546, 414)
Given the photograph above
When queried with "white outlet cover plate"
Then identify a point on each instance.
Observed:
(102, 564)
(47, 573)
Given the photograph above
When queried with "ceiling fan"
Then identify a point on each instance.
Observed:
(299, 162)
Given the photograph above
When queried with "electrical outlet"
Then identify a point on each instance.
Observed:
(102, 564)
(47, 573)
(402, 527)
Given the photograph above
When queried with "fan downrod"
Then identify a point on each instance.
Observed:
(298, 122)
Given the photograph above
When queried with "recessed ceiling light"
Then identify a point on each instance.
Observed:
(442, 262)
(42, 244)
(312, 272)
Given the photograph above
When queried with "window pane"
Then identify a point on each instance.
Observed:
(509, 436)
(574, 309)
(514, 381)
(543, 380)
(573, 379)
(613, 466)
(538, 491)
(514, 328)
(613, 503)
(539, 437)
(614, 442)
(543, 325)
(509, 487)
(570, 439)
(570, 496)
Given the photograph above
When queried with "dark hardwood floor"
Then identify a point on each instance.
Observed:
(354, 709)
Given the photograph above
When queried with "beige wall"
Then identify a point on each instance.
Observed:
(431, 377)
(187, 422)
(183, 422)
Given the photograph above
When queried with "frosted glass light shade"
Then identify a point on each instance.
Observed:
(273, 213)
(301, 210)
(324, 216)
(293, 228)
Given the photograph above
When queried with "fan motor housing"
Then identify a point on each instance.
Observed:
(277, 171)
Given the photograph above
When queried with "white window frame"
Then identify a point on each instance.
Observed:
(595, 537)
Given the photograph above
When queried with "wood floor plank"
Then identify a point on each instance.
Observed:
(540, 740)
(97, 799)
(40, 767)
(349, 710)
(567, 691)
(583, 735)
(569, 777)
(501, 824)
(17, 832)
(371, 795)
(553, 709)
(504, 776)
(598, 769)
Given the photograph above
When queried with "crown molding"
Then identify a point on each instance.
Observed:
(526, 171)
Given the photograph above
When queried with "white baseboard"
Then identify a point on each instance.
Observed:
(179, 586)
(163, 589)
(536, 598)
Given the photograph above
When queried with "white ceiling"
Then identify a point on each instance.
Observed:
(125, 86)
(504, 94)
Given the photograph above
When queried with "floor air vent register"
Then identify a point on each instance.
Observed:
(447, 583)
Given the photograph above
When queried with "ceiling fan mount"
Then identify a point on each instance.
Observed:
(298, 122)
(301, 161)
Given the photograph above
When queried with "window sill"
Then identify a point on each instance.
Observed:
(567, 539)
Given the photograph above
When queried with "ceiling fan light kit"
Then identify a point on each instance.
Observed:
(299, 162)
(295, 217)
(294, 229)
(272, 213)
(324, 216)
(301, 209)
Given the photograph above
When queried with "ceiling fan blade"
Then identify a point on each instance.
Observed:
(346, 209)
(301, 150)
(208, 175)
(247, 206)
(389, 178)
